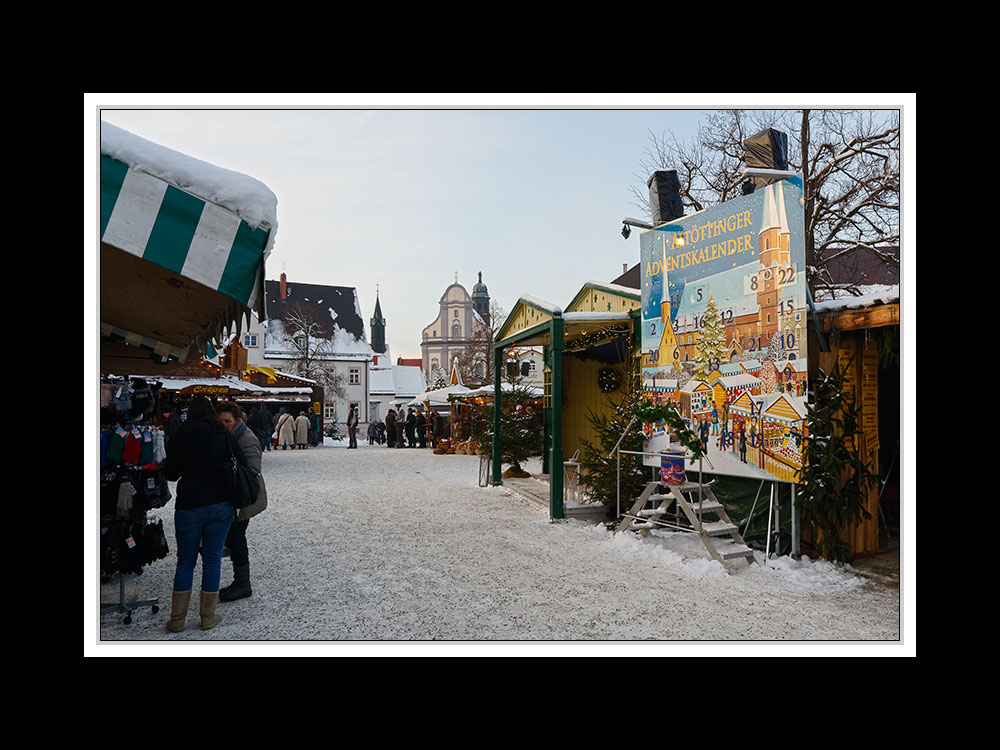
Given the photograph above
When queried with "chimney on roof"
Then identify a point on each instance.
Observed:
(283, 285)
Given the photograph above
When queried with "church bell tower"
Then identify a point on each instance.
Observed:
(378, 328)
(481, 299)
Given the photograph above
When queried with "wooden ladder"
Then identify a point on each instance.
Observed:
(713, 534)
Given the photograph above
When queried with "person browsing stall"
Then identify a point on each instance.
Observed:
(239, 553)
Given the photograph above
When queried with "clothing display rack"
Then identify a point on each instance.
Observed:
(132, 483)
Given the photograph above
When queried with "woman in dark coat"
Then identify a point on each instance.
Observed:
(239, 553)
(202, 511)
(390, 427)
(411, 426)
(422, 430)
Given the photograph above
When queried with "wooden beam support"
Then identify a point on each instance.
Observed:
(861, 318)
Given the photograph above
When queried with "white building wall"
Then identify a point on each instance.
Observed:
(336, 408)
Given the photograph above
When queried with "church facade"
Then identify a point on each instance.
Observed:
(451, 337)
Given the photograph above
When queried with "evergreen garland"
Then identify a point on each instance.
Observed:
(648, 412)
(835, 480)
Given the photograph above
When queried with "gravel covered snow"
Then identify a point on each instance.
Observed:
(376, 545)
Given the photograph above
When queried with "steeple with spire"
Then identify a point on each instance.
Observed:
(378, 327)
(481, 299)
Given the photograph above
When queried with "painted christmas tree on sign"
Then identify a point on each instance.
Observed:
(724, 330)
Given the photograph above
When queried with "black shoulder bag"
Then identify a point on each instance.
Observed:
(242, 486)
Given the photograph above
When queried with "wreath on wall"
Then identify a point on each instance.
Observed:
(608, 379)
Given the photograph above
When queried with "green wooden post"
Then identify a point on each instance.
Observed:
(556, 461)
(497, 441)
(546, 417)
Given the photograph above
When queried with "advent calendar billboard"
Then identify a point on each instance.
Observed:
(724, 330)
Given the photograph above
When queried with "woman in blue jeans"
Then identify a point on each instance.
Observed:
(202, 511)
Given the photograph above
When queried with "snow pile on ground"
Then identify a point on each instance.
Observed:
(378, 545)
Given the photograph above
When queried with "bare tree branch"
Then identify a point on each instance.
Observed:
(310, 338)
(849, 161)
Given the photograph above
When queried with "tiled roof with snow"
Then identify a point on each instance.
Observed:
(333, 306)
(409, 380)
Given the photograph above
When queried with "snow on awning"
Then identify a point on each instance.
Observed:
(225, 385)
(490, 390)
(183, 245)
(438, 397)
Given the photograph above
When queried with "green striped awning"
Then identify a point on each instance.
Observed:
(207, 270)
(150, 218)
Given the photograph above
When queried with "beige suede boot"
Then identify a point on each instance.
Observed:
(179, 601)
(209, 619)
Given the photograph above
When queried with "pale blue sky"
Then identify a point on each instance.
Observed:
(404, 198)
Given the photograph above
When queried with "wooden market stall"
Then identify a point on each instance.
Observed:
(469, 410)
(181, 269)
(861, 335)
(586, 350)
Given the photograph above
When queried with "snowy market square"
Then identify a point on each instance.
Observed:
(498, 377)
(380, 544)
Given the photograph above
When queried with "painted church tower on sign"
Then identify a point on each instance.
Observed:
(775, 263)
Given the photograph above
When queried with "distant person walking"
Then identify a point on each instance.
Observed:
(390, 428)
(400, 426)
(435, 426)
(352, 427)
(421, 430)
(284, 426)
(265, 424)
(301, 431)
(314, 436)
(411, 426)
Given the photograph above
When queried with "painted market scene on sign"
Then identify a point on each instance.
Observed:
(362, 447)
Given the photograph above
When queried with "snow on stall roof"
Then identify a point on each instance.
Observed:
(613, 287)
(554, 309)
(179, 382)
(741, 379)
(873, 295)
(490, 390)
(247, 197)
